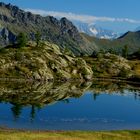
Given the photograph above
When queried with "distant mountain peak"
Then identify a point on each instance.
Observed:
(125, 34)
(96, 31)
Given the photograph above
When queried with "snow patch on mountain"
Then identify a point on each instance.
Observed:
(94, 30)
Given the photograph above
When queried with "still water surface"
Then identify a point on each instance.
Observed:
(106, 106)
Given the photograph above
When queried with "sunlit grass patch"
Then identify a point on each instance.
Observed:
(69, 135)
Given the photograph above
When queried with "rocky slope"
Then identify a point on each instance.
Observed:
(47, 62)
(61, 32)
(42, 63)
(110, 66)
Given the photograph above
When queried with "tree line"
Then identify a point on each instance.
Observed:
(22, 39)
(124, 52)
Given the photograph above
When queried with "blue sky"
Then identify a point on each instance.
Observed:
(118, 15)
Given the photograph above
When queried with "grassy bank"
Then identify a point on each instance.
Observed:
(69, 135)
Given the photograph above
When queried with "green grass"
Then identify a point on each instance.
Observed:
(69, 135)
(135, 64)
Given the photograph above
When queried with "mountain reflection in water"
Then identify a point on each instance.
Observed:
(40, 97)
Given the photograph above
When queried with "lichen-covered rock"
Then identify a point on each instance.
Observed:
(42, 63)
(86, 72)
(61, 74)
(36, 76)
(80, 62)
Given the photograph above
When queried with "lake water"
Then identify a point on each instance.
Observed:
(70, 106)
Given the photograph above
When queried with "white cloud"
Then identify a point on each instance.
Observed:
(82, 18)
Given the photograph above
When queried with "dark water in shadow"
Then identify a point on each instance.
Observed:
(93, 105)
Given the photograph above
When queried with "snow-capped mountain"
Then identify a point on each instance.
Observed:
(94, 30)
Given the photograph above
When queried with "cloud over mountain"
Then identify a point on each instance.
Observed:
(82, 18)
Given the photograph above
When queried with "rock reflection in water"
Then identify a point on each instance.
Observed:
(38, 95)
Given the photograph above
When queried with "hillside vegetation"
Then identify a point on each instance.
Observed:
(45, 62)
(64, 52)
(129, 39)
(48, 62)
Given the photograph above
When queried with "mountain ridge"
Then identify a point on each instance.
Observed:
(61, 32)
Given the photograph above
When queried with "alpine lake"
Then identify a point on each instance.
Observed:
(96, 105)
